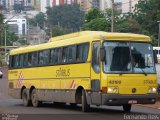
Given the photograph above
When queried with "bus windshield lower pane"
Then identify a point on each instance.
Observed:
(128, 57)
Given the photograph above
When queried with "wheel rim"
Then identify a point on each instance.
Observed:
(34, 99)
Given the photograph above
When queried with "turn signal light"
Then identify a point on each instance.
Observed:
(104, 89)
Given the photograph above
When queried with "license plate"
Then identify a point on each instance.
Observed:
(132, 102)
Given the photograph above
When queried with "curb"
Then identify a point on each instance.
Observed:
(153, 106)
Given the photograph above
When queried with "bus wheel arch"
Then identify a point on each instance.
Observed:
(30, 90)
(22, 91)
(82, 99)
(78, 95)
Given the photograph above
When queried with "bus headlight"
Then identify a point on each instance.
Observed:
(112, 89)
(152, 90)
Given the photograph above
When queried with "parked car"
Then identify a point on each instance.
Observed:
(1, 74)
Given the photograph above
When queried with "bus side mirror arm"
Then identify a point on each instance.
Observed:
(155, 57)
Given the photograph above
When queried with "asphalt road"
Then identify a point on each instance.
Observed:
(13, 109)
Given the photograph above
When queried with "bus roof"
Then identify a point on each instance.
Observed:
(106, 35)
(79, 37)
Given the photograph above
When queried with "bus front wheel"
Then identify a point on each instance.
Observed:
(85, 105)
(25, 98)
(34, 99)
(127, 107)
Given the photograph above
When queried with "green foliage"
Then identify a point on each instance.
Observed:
(98, 24)
(39, 20)
(102, 22)
(67, 16)
(57, 31)
(128, 25)
(147, 13)
(93, 14)
(10, 37)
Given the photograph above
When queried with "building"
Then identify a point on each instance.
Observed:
(17, 25)
(36, 4)
(86, 5)
(118, 7)
(60, 2)
(9, 4)
(105, 4)
(128, 5)
(44, 4)
(36, 36)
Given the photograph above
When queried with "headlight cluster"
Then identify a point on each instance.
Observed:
(112, 90)
(152, 90)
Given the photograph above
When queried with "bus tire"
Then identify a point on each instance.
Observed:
(85, 105)
(34, 99)
(25, 98)
(73, 104)
(127, 107)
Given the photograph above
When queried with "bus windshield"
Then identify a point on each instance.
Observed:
(128, 57)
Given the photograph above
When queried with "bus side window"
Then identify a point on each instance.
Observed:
(44, 57)
(69, 54)
(25, 63)
(29, 59)
(11, 62)
(55, 56)
(21, 59)
(16, 61)
(82, 52)
(95, 57)
(34, 58)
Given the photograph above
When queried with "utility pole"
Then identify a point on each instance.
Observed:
(113, 18)
(5, 43)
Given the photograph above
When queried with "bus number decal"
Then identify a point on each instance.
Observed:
(63, 72)
(115, 82)
(149, 82)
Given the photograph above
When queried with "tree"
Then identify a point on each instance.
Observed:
(2, 29)
(93, 14)
(102, 21)
(10, 37)
(39, 20)
(147, 13)
(66, 16)
(57, 31)
(127, 24)
(98, 24)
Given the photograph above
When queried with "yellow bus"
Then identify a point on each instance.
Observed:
(88, 68)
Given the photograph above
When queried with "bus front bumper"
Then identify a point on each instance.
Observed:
(117, 99)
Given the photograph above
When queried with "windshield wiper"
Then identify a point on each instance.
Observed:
(143, 71)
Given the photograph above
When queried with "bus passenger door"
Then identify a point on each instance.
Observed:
(95, 74)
